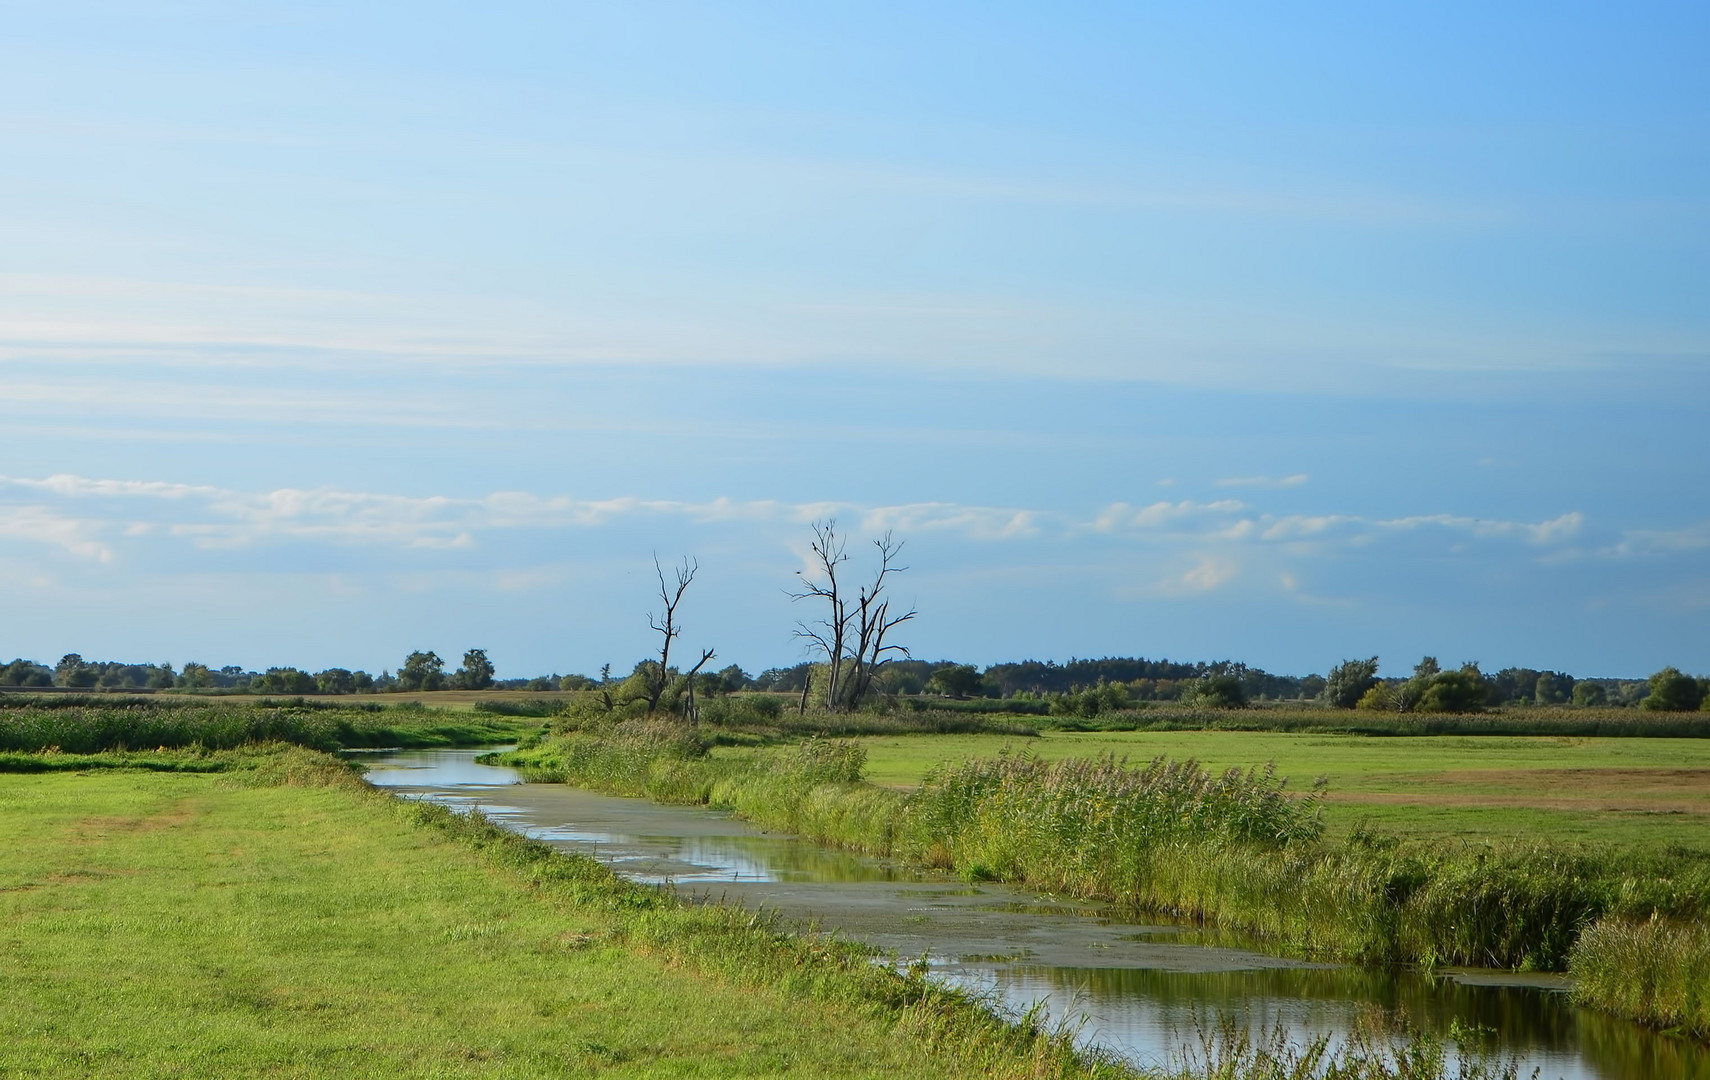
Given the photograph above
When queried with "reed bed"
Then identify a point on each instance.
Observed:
(1656, 971)
(88, 725)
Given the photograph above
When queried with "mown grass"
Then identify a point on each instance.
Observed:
(1296, 718)
(96, 724)
(1229, 849)
(280, 919)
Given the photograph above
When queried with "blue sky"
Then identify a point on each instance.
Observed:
(333, 332)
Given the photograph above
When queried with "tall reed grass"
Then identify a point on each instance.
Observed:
(1656, 971)
(93, 725)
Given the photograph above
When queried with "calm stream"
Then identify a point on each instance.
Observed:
(1141, 988)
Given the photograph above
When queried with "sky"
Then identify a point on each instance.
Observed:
(333, 332)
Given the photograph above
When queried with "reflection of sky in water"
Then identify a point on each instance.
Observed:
(1146, 1013)
(1150, 1017)
(438, 768)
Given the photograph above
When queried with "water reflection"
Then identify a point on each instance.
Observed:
(1142, 988)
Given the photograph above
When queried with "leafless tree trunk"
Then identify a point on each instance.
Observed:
(829, 634)
(694, 714)
(667, 625)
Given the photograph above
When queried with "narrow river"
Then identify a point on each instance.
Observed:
(1139, 989)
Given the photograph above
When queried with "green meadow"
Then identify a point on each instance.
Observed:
(1645, 792)
(277, 918)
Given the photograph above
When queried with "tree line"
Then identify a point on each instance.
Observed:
(1110, 682)
(855, 658)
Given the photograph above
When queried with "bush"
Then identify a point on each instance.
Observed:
(1216, 692)
(1672, 691)
(1349, 681)
(1380, 698)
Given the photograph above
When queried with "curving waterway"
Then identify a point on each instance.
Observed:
(1140, 989)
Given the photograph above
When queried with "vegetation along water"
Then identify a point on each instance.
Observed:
(1231, 848)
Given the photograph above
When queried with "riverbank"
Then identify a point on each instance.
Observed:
(280, 917)
(1250, 865)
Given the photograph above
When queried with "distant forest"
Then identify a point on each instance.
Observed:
(1117, 679)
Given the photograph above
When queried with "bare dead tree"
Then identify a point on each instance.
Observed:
(667, 625)
(693, 713)
(852, 635)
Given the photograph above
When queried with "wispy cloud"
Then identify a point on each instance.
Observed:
(1294, 480)
(95, 518)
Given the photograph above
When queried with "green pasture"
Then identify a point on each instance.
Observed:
(185, 924)
(1628, 791)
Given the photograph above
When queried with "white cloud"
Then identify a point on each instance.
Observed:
(1210, 573)
(94, 518)
(37, 525)
(1641, 542)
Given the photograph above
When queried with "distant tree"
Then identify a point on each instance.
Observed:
(732, 679)
(476, 672)
(1588, 694)
(1672, 691)
(72, 671)
(577, 682)
(336, 681)
(23, 672)
(1408, 694)
(1223, 691)
(1349, 681)
(1380, 698)
(1554, 688)
(422, 671)
(956, 680)
(1515, 686)
(788, 680)
(195, 677)
(283, 680)
(1461, 691)
(361, 682)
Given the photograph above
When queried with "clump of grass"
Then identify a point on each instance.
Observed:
(1655, 971)
(1095, 826)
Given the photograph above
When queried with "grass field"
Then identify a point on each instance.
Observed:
(181, 924)
(1629, 792)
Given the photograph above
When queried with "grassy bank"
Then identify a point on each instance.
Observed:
(95, 724)
(279, 918)
(1228, 849)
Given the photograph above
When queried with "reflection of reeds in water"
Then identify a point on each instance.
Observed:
(1522, 1023)
(1377, 1047)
